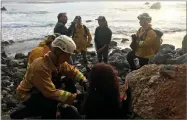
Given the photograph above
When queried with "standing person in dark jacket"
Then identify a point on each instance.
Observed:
(60, 25)
(62, 29)
(103, 36)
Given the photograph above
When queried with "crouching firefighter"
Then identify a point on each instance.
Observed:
(37, 91)
(145, 43)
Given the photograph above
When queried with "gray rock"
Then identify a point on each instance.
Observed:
(90, 45)
(92, 53)
(4, 107)
(3, 54)
(5, 83)
(116, 51)
(18, 74)
(179, 60)
(13, 63)
(4, 92)
(19, 56)
(124, 40)
(156, 6)
(113, 44)
(167, 47)
(126, 50)
(160, 58)
(179, 51)
(88, 21)
(5, 78)
(119, 61)
(15, 69)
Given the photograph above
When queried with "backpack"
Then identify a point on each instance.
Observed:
(85, 31)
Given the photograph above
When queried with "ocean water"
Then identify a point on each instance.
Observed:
(27, 23)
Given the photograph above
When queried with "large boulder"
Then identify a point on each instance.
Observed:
(159, 91)
(156, 6)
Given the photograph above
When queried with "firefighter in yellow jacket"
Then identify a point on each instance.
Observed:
(82, 37)
(39, 74)
(146, 42)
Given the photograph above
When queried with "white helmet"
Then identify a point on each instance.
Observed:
(64, 43)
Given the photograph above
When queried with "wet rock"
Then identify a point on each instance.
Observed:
(4, 92)
(124, 40)
(113, 44)
(19, 56)
(119, 61)
(178, 52)
(126, 50)
(18, 74)
(179, 60)
(156, 6)
(115, 51)
(167, 47)
(13, 63)
(161, 57)
(3, 9)
(4, 107)
(88, 21)
(3, 54)
(90, 45)
(157, 93)
(92, 53)
(5, 78)
(11, 103)
(4, 43)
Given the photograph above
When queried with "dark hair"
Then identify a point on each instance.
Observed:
(60, 14)
(103, 94)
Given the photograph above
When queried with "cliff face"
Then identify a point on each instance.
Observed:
(159, 91)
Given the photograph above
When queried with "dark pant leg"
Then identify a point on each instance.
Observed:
(43, 106)
(143, 61)
(105, 55)
(20, 112)
(84, 57)
(100, 56)
(130, 58)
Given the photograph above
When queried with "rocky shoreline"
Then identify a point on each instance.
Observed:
(14, 68)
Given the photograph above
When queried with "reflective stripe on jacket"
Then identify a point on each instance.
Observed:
(146, 47)
(39, 75)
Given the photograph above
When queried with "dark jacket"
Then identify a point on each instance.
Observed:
(62, 29)
(103, 36)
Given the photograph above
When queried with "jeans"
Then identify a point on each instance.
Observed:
(103, 55)
(130, 58)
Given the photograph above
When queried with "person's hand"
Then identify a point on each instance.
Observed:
(134, 37)
(101, 49)
(85, 84)
(71, 99)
